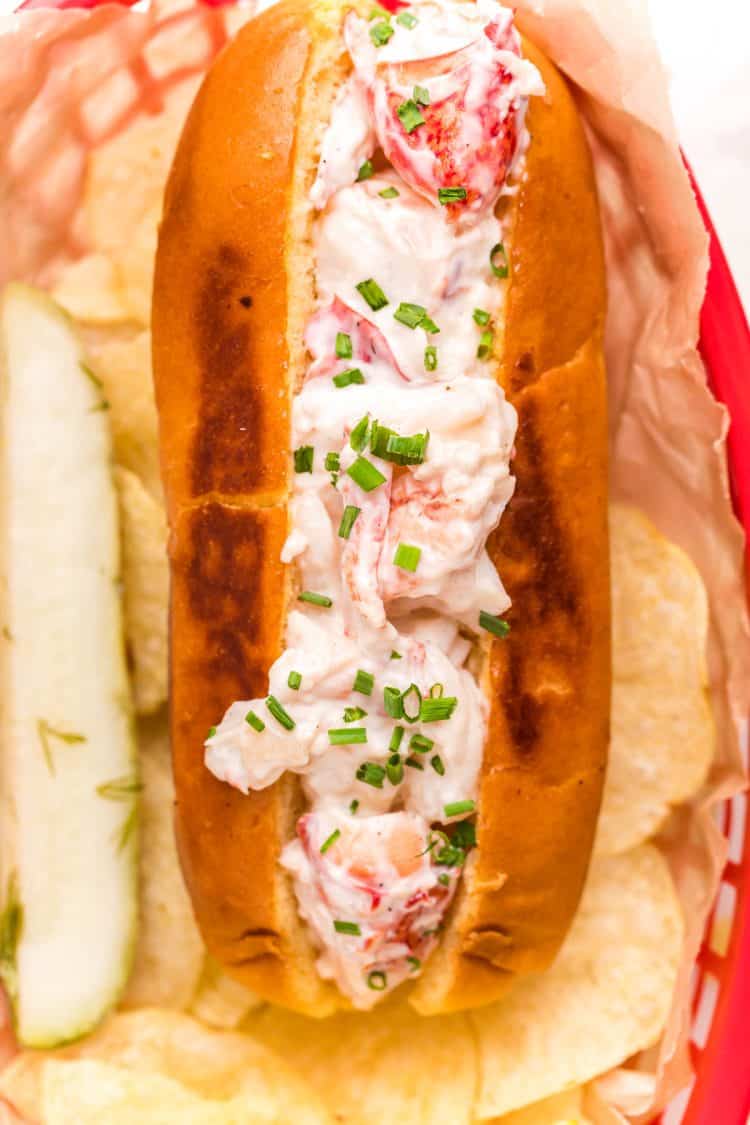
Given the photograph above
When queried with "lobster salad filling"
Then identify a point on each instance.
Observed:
(402, 442)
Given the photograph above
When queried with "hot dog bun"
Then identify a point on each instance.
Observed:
(233, 290)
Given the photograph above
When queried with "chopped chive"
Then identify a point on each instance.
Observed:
(414, 763)
(420, 744)
(396, 739)
(358, 436)
(363, 682)
(421, 95)
(332, 462)
(255, 721)
(409, 449)
(364, 173)
(315, 599)
(406, 19)
(303, 459)
(392, 702)
(371, 774)
(396, 655)
(348, 520)
(380, 33)
(494, 625)
(373, 294)
(330, 841)
(346, 378)
(343, 346)
(437, 764)
(481, 317)
(395, 769)
(436, 710)
(365, 474)
(411, 702)
(347, 736)
(409, 314)
(294, 681)
(414, 964)
(484, 350)
(464, 835)
(377, 13)
(389, 193)
(409, 116)
(451, 194)
(407, 557)
(430, 358)
(211, 732)
(444, 880)
(279, 714)
(353, 806)
(436, 691)
(352, 714)
(429, 325)
(377, 980)
(499, 263)
(459, 807)
(346, 928)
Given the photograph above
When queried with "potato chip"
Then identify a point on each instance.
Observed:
(565, 1108)
(123, 196)
(221, 1001)
(145, 575)
(662, 729)
(222, 1067)
(88, 290)
(389, 1065)
(124, 366)
(169, 952)
(606, 997)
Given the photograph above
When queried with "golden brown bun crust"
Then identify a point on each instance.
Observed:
(221, 365)
(545, 756)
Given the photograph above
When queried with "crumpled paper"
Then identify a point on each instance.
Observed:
(69, 80)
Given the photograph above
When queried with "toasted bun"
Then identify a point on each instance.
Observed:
(233, 290)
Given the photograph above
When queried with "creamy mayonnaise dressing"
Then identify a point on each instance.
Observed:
(402, 444)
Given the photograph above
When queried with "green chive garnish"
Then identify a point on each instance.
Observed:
(348, 520)
(414, 763)
(414, 964)
(484, 349)
(437, 764)
(255, 721)
(353, 806)
(430, 358)
(464, 835)
(494, 625)
(279, 714)
(303, 459)
(407, 557)
(343, 345)
(380, 33)
(459, 807)
(346, 378)
(406, 19)
(444, 880)
(358, 436)
(411, 702)
(389, 193)
(363, 682)
(451, 194)
(211, 732)
(315, 599)
(409, 116)
(347, 736)
(364, 174)
(373, 294)
(365, 474)
(396, 655)
(435, 710)
(421, 95)
(499, 260)
(346, 928)
(352, 714)
(332, 462)
(481, 317)
(420, 744)
(371, 774)
(377, 980)
(392, 702)
(396, 739)
(409, 314)
(330, 841)
(294, 681)
(409, 449)
(395, 769)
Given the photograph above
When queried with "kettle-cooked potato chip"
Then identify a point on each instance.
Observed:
(169, 950)
(662, 729)
(565, 1108)
(221, 1001)
(146, 589)
(88, 290)
(605, 998)
(391, 1065)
